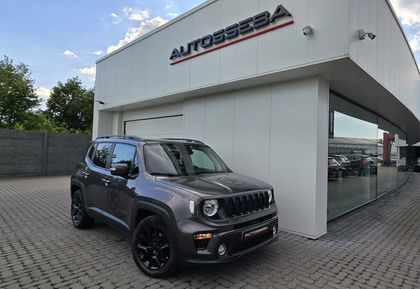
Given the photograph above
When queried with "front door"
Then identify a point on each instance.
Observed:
(121, 191)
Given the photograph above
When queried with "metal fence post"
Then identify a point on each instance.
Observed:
(45, 155)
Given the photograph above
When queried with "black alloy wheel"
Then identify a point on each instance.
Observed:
(79, 217)
(76, 208)
(152, 247)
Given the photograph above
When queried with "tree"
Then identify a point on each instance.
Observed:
(17, 93)
(71, 106)
(38, 121)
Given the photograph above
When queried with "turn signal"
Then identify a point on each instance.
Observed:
(203, 236)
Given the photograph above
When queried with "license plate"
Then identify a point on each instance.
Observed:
(254, 233)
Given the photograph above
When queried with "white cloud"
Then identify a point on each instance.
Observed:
(408, 11)
(415, 42)
(168, 6)
(43, 93)
(88, 70)
(136, 14)
(70, 53)
(135, 32)
(99, 52)
(172, 15)
(115, 18)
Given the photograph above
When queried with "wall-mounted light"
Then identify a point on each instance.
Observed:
(363, 34)
(307, 30)
(100, 101)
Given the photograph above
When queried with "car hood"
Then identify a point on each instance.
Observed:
(216, 184)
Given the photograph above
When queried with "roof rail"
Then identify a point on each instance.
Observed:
(184, 139)
(121, 137)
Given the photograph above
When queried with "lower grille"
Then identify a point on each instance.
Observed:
(245, 245)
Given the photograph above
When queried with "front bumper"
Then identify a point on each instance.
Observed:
(233, 237)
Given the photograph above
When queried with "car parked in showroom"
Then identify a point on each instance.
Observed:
(362, 165)
(175, 199)
(335, 172)
(344, 163)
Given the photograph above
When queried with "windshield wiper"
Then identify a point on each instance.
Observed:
(164, 175)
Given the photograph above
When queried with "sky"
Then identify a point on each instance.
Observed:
(62, 39)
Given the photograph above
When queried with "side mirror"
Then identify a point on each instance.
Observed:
(119, 170)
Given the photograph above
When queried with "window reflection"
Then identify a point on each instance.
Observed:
(387, 157)
(353, 144)
(402, 165)
(366, 156)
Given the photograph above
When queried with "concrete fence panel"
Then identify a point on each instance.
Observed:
(33, 153)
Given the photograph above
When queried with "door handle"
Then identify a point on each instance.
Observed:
(106, 182)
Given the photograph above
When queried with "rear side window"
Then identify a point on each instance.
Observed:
(101, 154)
(124, 154)
(90, 151)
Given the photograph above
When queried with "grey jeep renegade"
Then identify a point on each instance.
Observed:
(174, 198)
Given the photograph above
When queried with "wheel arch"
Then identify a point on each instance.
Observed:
(77, 185)
(144, 209)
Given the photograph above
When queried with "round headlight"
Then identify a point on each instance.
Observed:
(210, 207)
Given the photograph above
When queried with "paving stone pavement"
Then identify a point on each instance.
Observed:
(377, 246)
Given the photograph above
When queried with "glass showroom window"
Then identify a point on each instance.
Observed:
(366, 156)
(402, 164)
(387, 156)
(353, 144)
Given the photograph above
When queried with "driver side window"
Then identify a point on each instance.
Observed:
(126, 154)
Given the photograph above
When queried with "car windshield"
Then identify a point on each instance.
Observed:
(180, 159)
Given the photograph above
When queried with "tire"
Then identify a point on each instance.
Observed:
(153, 247)
(79, 217)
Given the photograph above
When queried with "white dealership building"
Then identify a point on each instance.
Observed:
(278, 89)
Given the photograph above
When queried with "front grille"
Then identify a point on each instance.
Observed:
(246, 203)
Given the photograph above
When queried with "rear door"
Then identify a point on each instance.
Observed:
(99, 178)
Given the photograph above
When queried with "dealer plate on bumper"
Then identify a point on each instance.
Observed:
(254, 233)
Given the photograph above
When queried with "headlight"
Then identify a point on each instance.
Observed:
(210, 207)
(270, 196)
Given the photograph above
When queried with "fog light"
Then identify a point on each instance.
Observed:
(274, 230)
(222, 250)
(203, 236)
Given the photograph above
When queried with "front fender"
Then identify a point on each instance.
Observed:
(159, 209)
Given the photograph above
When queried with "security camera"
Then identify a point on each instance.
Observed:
(371, 35)
(363, 34)
(307, 30)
